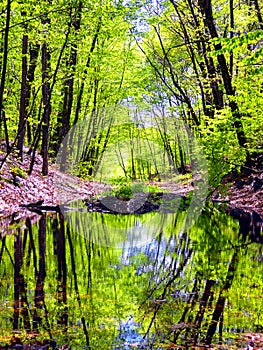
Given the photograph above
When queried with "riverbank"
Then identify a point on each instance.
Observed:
(243, 191)
(18, 189)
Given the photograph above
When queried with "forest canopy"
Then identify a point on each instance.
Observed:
(196, 63)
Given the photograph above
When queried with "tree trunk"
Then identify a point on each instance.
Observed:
(92, 48)
(3, 73)
(206, 9)
(23, 99)
(47, 106)
(63, 121)
(33, 53)
(259, 15)
(213, 98)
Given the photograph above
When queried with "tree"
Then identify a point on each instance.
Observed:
(64, 116)
(4, 72)
(24, 95)
(197, 69)
(86, 58)
(206, 10)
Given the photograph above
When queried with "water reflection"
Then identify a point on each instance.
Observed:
(159, 287)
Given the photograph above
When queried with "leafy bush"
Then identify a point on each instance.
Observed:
(154, 189)
(119, 180)
(124, 192)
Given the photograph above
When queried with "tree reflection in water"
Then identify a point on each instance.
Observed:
(190, 299)
(62, 285)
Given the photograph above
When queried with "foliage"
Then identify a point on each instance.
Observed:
(154, 189)
(124, 192)
(131, 73)
(16, 171)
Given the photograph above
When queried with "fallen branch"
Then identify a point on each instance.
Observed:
(39, 207)
(220, 200)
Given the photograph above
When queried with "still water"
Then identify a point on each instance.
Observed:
(84, 280)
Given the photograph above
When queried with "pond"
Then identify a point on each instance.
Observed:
(88, 280)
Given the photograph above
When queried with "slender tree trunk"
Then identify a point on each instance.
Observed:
(184, 97)
(23, 98)
(259, 15)
(33, 53)
(212, 97)
(3, 74)
(63, 121)
(47, 89)
(206, 9)
(47, 106)
(207, 66)
(231, 58)
(80, 94)
(206, 98)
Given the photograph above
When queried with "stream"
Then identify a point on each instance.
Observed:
(92, 280)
